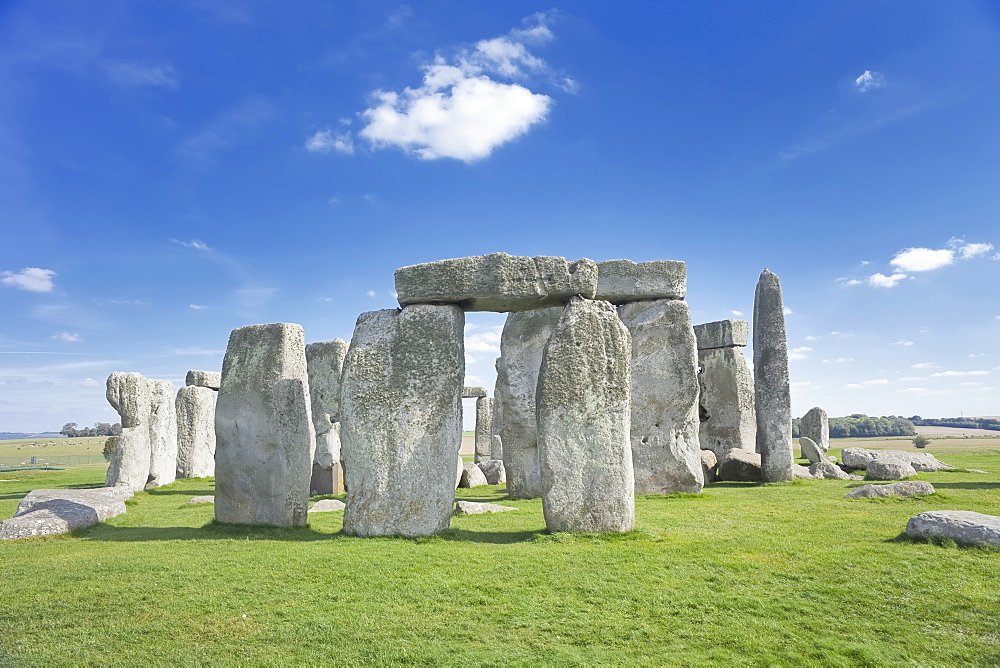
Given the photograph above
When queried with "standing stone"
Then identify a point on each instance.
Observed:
(401, 420)
(816, 426)
(584, 388)
(726, 402)
(772, 398)
(521, 346)
(195, 407)
(325, 362)
(496, 449)
(484, 428)
(128, 393)
(664, 431)
(209, 379)
(265, 441)
(811, 451)
(162, 434)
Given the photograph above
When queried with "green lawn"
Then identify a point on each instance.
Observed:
(741, 574)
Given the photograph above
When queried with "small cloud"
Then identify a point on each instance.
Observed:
(196, 244)
(483, 342)
(786, 311)
(90, 382)
(880, 280)
(739, 313)
(914, 390)
(801, 383)
(372, 293)
(850, 281)
(869, 81)
(324, 299)
(197, 307)
(922, 259)
(133, 74)
(68, 337)
(966, 251)
(853, 386)
(325, 141)
(31, 279)
(952, 374)
(839, 360)
(923, 365)
(902, 342)
(811, 338)
(799, 353)
(877, 381)
(398, 17)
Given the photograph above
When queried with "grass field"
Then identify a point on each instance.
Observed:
(742, 574)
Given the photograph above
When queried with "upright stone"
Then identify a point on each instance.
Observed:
(265, 441)
(622, 281)
(521, 346)
(401, 420)
(128, 393)
(816, 426)
(583, 422)
(195, 407)
(664, 430)
(484, 428)
(772, 398)
(325, 362)
(726, 401)
(162, 434)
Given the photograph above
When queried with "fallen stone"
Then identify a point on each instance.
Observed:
(828, 470)
(622, 281)
(494, 471)
(484, 428)
(202, 499)
(162, 434)
(210, 379)
(800, 472)
(740, 466)
(961, 526)
(880, 469)
(496, 282)
(327, 506)
(664, 421)
(45, 512)
(722, 334)
(816, 426)
(709, 463)
(470, 392)
(726, 402)
(772, 399)
(860, 458)
(583, 422)
(905, 488)
(265, 441)
(811, 451)
(128, 393)
(473, 508)
(195, 409)
(472, 476)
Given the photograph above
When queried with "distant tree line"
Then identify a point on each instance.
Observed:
(860, 425)
(960, 422)
(71, 430)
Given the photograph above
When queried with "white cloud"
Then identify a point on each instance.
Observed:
(922, 259)
(924, 365)
(739, 313)
(786, 311)
(877, 381)
(90, 382)
(483, 342)
(880, 280)
(852, 281)
(839, 360)
(372, 293)
(325, 141)
(68, 337)
(197, 307)
(196, 244)
(869, 81)
(853, 386)
(31, 279)
(811, 338)
(134, 74)
(966, 251)
(799, 353)
(902, 342)
(951, 374)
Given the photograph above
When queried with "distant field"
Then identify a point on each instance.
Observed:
(83, 450)
(905, 442)
(955, 431)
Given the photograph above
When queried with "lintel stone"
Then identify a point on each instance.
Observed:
(722, 334)
(469, 392)
(622, 281)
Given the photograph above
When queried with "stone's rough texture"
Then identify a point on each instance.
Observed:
(326, 480)
(202, 499)
(210, 379)
(801, 472)
(53, 511)
(496, 448)
(472, 476)
(772, 399)
(162, 434)
(195, 408)
(664, 425)
(128, 393)
(884, 469)
(494, 472)
(860, 458)
(740, 466)
(722, 334)
(325, 363)
(496, 282)
(726, 402)
(621, 281)
(828, 470)
(811, 451)
(583, 422)
(906, 488)
(470, 392)
(961, 526)
(484, 428)
(521, 346)
(401, 420)
(816, 426)
(709, 463)
(327, 506)
(473, 508)
(265, 441)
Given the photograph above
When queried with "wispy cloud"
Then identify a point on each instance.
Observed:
(68, 337)
(953, 374)
(196, 244)
(484, 342)
(799, 353)
(197, 307)
(902, 342)
(739, 313)
(923, 365)
(227, 130)
(31, 279)
(137, 74)
(869, 80)
(325, 141)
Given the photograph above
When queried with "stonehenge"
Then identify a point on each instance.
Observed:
(195, 408)
(726, 401)
(162, 434)
(128, 393)
(772, 394)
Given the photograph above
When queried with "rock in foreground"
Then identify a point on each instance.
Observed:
(961, 526)
(473, 508)
(906, 488)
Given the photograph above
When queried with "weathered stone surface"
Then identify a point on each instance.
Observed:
(961, 526)
(740, 466)
(202, 499)
(460, 471)
(726, 402)
(470, 392)
(860, 458)
(472, 476)
(325, 363)
(265, 441)
(494, 472)
(326, 480)
(584, 388)
(484, 427)
(816, 426)
(885, 469)
(128, 393)
(521, 346)
(621, 281)
(772, 399)
(810, 450)
(829, 470)
(54, 511)
(496, 448)
(162, 434)
(327, 506)
(801, 472)
(195, 407)
(722, 334)
(664, 424)
(905, 488)
(401, 420)
(473, 508)
(496, 282)
(709, 463)
(210, 379)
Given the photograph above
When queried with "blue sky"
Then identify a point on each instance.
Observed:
(171, 171)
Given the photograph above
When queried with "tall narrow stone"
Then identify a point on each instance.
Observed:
(583, 422)
(195, 407)
(128, 393)
(815, 425)
(162, 434)
(484, 428)
(325, 361)
(726, 401)
(521, 346)
(664, 430)
(265, 441)
(772, 398)
(401, 420)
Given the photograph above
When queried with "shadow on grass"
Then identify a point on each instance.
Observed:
(210, 531)
(965, 485)
(941, 541)
(493, 537)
